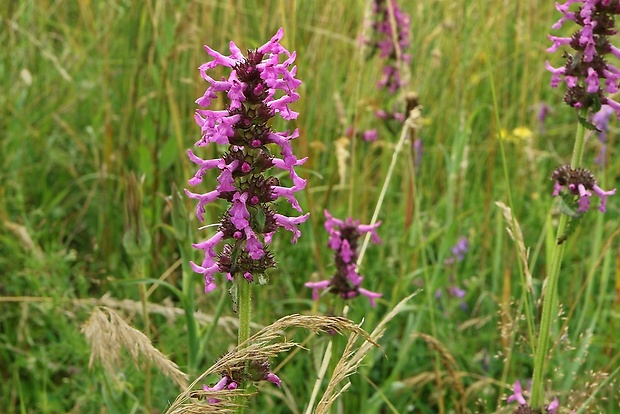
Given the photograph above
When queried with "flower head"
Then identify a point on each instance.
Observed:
(586, 73)
(260, 86)
(258, 370)
(343, 239)
(581, 184)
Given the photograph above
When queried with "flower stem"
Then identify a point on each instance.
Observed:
(245, 306)
(550, 293)
(244, 290)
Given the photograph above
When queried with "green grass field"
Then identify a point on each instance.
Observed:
(97, 103)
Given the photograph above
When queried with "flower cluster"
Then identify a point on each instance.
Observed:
(392, 41)
(344, 236)
(586, 70)
(259, 87)
(581, 184)
(524, 408)
(257, 371)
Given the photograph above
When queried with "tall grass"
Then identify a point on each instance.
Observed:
(93, 92)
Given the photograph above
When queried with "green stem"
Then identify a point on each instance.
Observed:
(244, 290)
(550, 298)
(245, 306)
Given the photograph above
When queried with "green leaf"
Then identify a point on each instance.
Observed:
(569, 206)
(587, 125)
(572, 225)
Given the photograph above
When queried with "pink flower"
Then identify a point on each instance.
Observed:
(260, 85)
(343, 239)
(580, 183)
(587, 65)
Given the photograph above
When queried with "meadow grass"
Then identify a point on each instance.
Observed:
(95, 92)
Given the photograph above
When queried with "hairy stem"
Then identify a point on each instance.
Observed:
(550, 294)
(244, 290)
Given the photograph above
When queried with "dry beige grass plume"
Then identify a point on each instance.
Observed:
(107, 332)
(514, 230)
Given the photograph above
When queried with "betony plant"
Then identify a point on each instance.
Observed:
(260, 85)
(343, 239)
(590, 79)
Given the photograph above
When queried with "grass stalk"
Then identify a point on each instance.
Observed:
(388, 177)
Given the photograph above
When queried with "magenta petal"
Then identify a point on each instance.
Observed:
(273, 378)
(210, 243)
(352, 274)
(345, 251)
(316, 286)
(239, 214)
(518, 394)
(553, 406)
(291, 223)
(203, 200)
(288, 194)
(371, 296)
(221, 384)
(252, 245)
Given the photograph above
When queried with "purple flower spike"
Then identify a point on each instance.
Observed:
(259, 86)
(391, 45)
(587, 66)
(343, 239)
